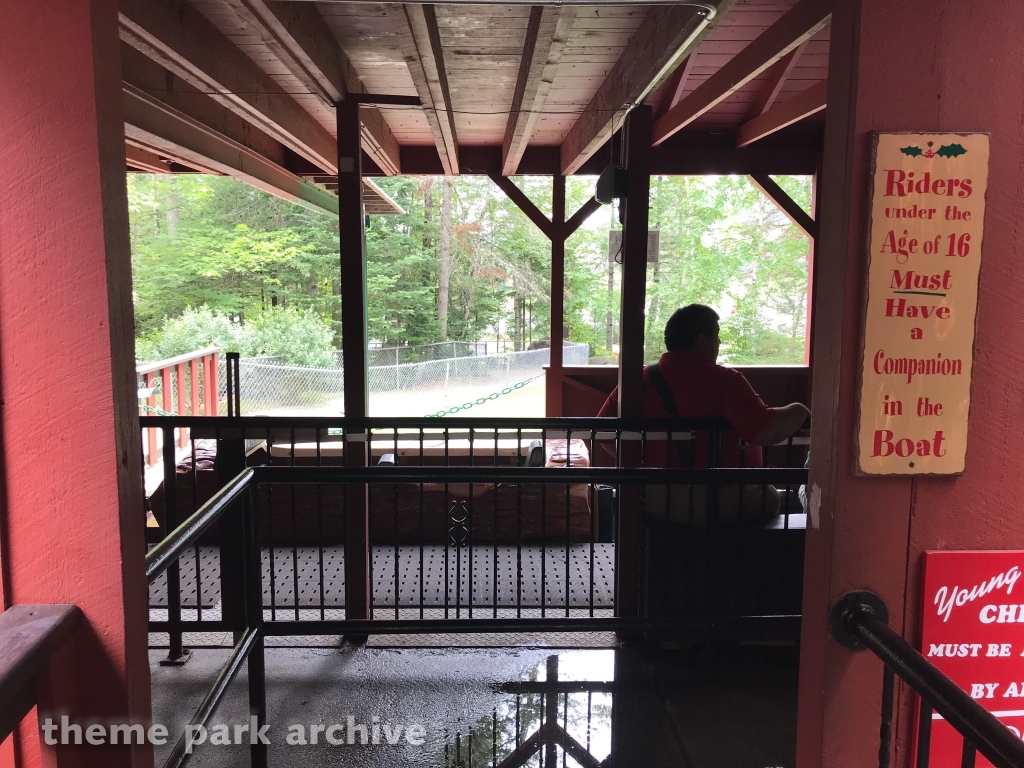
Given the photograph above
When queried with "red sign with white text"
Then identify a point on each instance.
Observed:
(973, 631)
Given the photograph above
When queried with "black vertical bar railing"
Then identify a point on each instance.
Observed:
(859, 621)
(176, 653)
(525, 522)
(253, 568)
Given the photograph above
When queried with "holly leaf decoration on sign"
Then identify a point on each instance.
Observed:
(912, 151)
(951, 150)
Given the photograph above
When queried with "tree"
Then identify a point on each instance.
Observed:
(444, 271)
(299, 337)
(476, 268)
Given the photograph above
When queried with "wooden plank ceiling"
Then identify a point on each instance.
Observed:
(506, 82)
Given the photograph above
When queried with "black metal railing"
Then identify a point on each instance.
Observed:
(300, 464)
(859, 621)
(466, 522)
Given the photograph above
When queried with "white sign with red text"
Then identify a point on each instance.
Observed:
(927, 215)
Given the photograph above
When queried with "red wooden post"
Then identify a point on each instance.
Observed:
(151, 445)
(167, 399)
(179, 375)
(214, 385)
(553, 380)
(193, 374)
(209, 386)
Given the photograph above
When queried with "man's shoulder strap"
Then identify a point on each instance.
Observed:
(661, 386)
(683, 449)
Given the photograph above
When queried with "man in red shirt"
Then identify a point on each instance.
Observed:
(687, 382)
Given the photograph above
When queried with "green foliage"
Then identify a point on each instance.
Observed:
(301, 337)
(263, 267)
(723, 243)
(192, 330)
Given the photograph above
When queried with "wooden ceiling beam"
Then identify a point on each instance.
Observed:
(150, 123)
(421, 46)
(299, 38)
(666, 34)
(798, 25)
(142, 159)
(161, 85)
(805, 104)
(777, 76)
(546, 35)
(719, 158)
(177, 36)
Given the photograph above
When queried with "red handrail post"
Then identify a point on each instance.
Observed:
(207, 407)
(193, 370)
(179, 374)
(151, 433)
(215, 389)
(168, 400)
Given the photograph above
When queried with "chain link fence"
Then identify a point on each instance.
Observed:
(439, 350)
(268, 386)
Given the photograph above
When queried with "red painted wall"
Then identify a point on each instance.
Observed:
(913, 65)
(72, 509)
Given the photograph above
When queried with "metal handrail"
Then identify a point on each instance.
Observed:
(540, 475)
(185, 535)
(860, 621)
(181, 755)
(249, 646)
(160, 558)
(576, 423)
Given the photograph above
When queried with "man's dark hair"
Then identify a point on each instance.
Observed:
(686, 324)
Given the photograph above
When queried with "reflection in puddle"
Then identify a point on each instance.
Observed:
(560, 712)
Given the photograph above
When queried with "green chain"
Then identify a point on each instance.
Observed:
(482, 400)
(157, 411)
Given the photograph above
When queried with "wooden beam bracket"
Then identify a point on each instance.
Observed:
(805, 104)
(667, 33)
(584, 213)
(785, 203)
(798, 25)
(525, 204)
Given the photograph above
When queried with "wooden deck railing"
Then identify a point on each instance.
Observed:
(29, 636)
(187, 386)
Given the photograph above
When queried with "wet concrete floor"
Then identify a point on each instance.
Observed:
(645, 706)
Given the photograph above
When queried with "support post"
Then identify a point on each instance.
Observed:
(73, 529)
(868, 532)
(631, 352)
(553, 379)
(230, 462)
(354, 343)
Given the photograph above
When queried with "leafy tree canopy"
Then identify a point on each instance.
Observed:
(260, 270)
